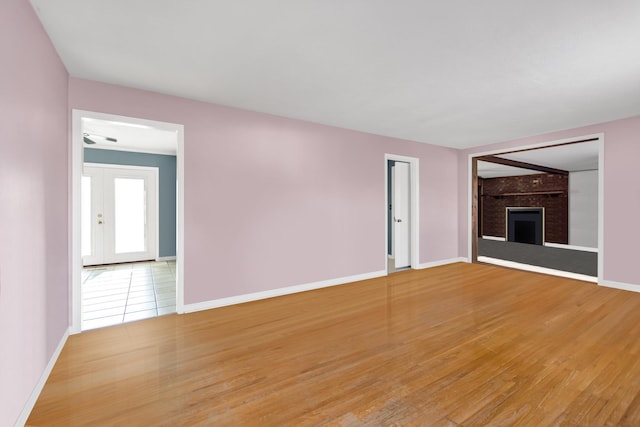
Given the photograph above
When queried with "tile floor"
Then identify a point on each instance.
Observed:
(114, 294)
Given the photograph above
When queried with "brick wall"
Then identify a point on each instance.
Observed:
(497, 194)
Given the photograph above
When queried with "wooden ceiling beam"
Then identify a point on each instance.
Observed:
(522, 165)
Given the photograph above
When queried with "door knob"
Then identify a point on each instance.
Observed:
(99, 222)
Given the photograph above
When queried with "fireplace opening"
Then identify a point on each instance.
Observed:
(525, 225)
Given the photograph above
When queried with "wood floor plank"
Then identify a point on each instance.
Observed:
(461, 344)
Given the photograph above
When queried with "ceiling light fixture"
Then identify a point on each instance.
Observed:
(89, 138)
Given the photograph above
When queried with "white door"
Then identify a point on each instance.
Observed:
(400, 210)
(119, 206)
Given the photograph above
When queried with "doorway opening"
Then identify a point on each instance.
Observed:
(127, 228)
(539, 208)
(401, 196)
(123, 278)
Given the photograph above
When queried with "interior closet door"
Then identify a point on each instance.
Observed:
(119, 214)
(401, 221)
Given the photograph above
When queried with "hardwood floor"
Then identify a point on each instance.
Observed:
(455, 345)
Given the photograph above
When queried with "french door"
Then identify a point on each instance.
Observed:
(119, 214)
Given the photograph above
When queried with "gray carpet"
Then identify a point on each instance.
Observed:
(580, 262)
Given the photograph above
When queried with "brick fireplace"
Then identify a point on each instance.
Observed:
(547, 191)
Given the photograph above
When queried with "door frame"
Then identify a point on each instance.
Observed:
(155, 229)
(414, 192)
(77, 162)
(472, 196)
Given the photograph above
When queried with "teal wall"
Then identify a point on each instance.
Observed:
(166, 188)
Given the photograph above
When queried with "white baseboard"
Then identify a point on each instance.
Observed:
(536, 269)
(239, 299)
(441, 262)
(499, 239)
(572, 247)
(165, 258)
(620, 285)
(28, 407)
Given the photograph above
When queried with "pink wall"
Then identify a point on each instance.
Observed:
(34, 285)
(621, 200)
(269, 202)
(273, 202)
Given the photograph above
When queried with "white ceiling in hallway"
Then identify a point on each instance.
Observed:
(493, 170)
(453, 73)
(577, 157)
(571, 157)
(129, 137)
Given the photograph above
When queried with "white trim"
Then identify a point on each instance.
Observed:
(157, 213)
(571, 247)
(113, 166)
(601, 209)
(77, 159)
(620, 285)
(499, 239)
(33, 398)
(180, 222)
(239, 299)
(165, 258)
(551, 245)
(536, 269)
(470, 207)
(537, 145)
(415, 207)
(441, 262)
(599, 136)
(135, 150)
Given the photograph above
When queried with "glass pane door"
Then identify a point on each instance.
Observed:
(130, 215)
(119, 214)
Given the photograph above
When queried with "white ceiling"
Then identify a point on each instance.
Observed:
(572, 158)
(129, 136)
(448, 72)
(494, 170)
